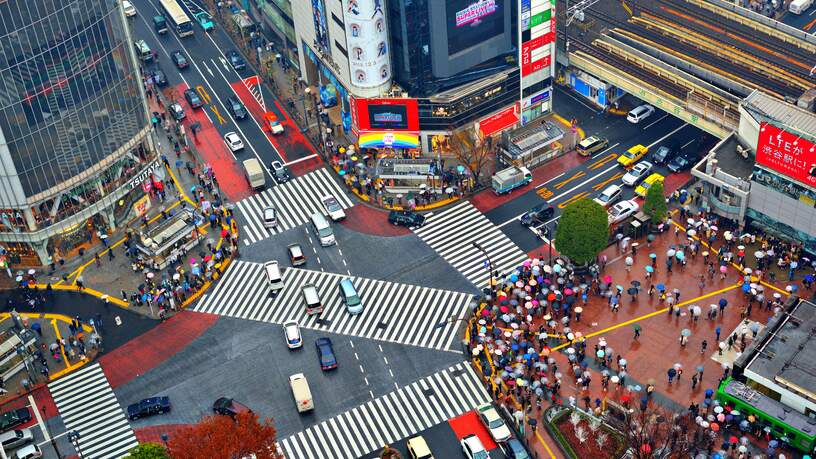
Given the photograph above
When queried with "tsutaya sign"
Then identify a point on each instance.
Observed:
(367, 42)
(152, 169)
(786, 153)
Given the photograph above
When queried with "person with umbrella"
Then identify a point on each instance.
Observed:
(636, 327)
(671, 373)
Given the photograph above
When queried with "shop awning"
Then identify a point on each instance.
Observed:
(499, 121)
(389, 139)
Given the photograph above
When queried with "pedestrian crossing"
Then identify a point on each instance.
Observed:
(399, 313)
(396, 415)
(295, 201)
(88, 405)
(452, 233)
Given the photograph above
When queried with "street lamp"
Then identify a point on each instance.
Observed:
(306, 92)
(548, 235)
(478, 247)
(73, 437)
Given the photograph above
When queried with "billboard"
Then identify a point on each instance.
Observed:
(786, 153)
(367, 43)
(537, 38)
(399, 114)
(470, 22)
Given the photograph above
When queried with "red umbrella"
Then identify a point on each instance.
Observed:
(733, 439)
(504, 309)
(551, 297)
(646, 448)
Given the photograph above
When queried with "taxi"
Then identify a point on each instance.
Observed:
(646, 184)
(632, 156)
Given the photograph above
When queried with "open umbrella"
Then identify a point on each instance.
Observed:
(660, 287)
(670, 252)
(649, 269)
(650, 237)
(685, 332)
(607, 279)
(635, 283)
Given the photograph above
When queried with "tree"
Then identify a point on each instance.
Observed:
(583, 231)
(474, 154)
(225, 437)
(148, 451)
(655, 203)
(652, 432)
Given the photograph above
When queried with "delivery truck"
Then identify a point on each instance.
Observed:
(511, 178)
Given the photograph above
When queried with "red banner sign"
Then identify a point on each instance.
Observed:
(786, 153)
(380, 115)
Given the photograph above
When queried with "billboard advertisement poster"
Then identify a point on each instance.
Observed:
(321, 31)
(397, 114)
(367, 41)
(470, 22)
(786, 153)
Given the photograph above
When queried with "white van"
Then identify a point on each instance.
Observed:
(301, 392)
(311, 299)
(323, 230)
(640, 113)
(350, 297)
(273, 276)
(799, 6)
(254, 174)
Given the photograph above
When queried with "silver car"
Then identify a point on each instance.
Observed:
(637, 173)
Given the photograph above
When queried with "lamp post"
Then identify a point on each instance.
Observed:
(305, 128)
(316, 105)
(548, 235)
(478, 247)
(73, 437)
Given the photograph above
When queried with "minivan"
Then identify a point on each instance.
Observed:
(323, 230)
(350, 297)
(590, 145)
(160, 24)
(28, 452)
(312, 299)
(273, 276)
(609, 196)
(143, 51)
(418, 448)
(301, 392)
(15, 438)
(640, 113)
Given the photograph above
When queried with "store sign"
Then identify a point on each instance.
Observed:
(399, 114)
(142, 205)
(367, 43)
(475, 11)
(145, 174)
(535, 98)
(537, 38)
(786, 153)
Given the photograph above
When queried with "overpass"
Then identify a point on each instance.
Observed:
(695, 59)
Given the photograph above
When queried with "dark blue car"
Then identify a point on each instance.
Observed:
(236, 60)
(149, 407)
(325, 353)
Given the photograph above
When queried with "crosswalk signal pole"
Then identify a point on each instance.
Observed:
(478, 247)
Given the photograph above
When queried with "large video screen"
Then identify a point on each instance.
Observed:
(388, 116)
(470, 22)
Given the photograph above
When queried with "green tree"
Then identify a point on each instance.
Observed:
(655, 203)
(148, 451)
(583, 231)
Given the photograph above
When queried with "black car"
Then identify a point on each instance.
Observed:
(236, 60)
(325, 353)
(149, 407)
(280, 172)
(664, 154)
(236, 107)
(682, 162)
(229, 407)
(177, 111)
(14, 418)
(406, 218)
(159, 78)
(193, 98)
(179, 59)
(539, 213)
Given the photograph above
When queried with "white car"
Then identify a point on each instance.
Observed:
(622, 210)
(494, 423)
(640, 113)
(637, 173)
(233, 141)
(270, 217)
(473, 447)
(129, 9)
(609, 196)
(276, 127)
(333, 208)
(292, 331)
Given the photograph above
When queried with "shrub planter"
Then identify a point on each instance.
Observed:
(559, 425)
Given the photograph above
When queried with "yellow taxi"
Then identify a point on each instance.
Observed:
(632, 156)
(646, 184)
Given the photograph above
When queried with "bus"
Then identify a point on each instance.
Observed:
(795, 428)
(178, 18)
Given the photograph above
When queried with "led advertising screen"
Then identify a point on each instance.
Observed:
(786, 153)
(388, 117)
(398, 114)
(470, 22)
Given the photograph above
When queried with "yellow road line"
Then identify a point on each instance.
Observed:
(578, 196)
(561, 184)
(90, 291)
(600, 185)
(59, 338)
(602, 162)
(626, 7)
(545, 193)
(649, 315)
(546, 446)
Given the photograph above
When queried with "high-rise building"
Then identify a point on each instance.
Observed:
(75, 142)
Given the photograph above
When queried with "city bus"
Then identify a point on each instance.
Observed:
(795, 428)
(178, 18)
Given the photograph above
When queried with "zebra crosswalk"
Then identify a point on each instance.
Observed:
(452, 234)
(396, 415)
(88, 405)
(399, 313)
(295, 201)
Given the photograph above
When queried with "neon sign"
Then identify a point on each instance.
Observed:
(475, 12)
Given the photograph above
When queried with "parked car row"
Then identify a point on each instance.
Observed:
(472, 446)
(18, 440)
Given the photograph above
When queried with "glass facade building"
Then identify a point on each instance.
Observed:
(73, 120)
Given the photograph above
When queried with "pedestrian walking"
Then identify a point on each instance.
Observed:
(671, 374)
(703, 346)
(637, 333)
(694, 381)
(717, 332)
(97, 260)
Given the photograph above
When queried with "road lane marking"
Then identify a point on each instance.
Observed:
(600, 185)
(585, 182)
(552, 179)
(601, 153)
(221, 119)
(572, 199)
(562, 183)
(305, 158)
(656, 121)
(666, 136)
(545, 193)
(600, 163)
(203, 93)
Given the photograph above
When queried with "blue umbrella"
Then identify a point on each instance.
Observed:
(723, 302)
(652, 255)
(746, 288)
(649, 269)
(794, 288)
(341, 172)
(460, 168)
(709, 393)
(660, 287)
(680, 255)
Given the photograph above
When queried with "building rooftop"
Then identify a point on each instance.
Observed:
(787, 356)
(731, 160)
(764, 106)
